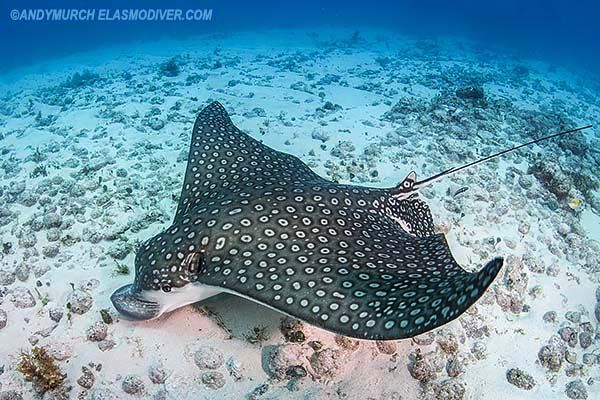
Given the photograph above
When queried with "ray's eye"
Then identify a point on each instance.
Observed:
(166, 289)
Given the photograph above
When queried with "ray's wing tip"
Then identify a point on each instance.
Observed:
(214, 107)
(495, 263)
(213, 110)
(215, 103)
(488, 273)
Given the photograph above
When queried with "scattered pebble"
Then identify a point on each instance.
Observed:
(213, 379)
(61, 351)
(3, 318)
(293, 330)
(80, 302)
(21, 297)
(102, 393)
(479, 350)
(320, 135)
(575, 370)
(157, 374)
(133, 384)
(258, 391)
(454, 367)
(449, 389)
(569, 335)
(207, 357)
(573, 316)
(327, 362)
(419, 368)
(87, 379)
(234, 367)
(106, 317)
(447, 342)
(296, 371)
(51, 250)
(550, 317)
(7, 277)
(551, 357)
(424, 339)
(10, 395)
(524, 228)
(576, 390)
(161, 394)
(386, 347)
(281, 357)
(520, 379)
(585, 340)
(55, 313)
(564, 229)
(347, 343)
(97, 332)
(590, 359)
(571, 356)
(106, 345)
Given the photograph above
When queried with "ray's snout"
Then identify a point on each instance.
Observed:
(132, 306)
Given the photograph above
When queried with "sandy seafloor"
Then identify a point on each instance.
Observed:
(90, 167)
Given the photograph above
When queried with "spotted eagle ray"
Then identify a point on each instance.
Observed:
(258, 223)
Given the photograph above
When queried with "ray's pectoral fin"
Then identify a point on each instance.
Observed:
(423, 289)
(224, 166)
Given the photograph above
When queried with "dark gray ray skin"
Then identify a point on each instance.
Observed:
(259, 223)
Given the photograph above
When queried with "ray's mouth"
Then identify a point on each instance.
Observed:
(130, 304)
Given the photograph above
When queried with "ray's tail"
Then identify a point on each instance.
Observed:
(410, 185)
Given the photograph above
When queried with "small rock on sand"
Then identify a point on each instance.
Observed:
(520, 379)
(296, 371)
(386, 347)
(207, 357)
(347, 343)
(80, 302)
(327, 363)
(106, 345)
(97, 332)
(293, 330)
(551, 357)
(234, 367)
(55, 313)
(87, 378)
(133, 384)
(157, 374)
(576, 390)
(3, 318)
(10, 395)
(213, 379)
(102, 394)
(280, 358)
(22, 297)
(455, 366)
(449, 389)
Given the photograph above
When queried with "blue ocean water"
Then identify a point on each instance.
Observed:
(557, 30)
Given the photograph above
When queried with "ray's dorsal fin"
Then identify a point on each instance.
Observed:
(410, 185)
(409, 181)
